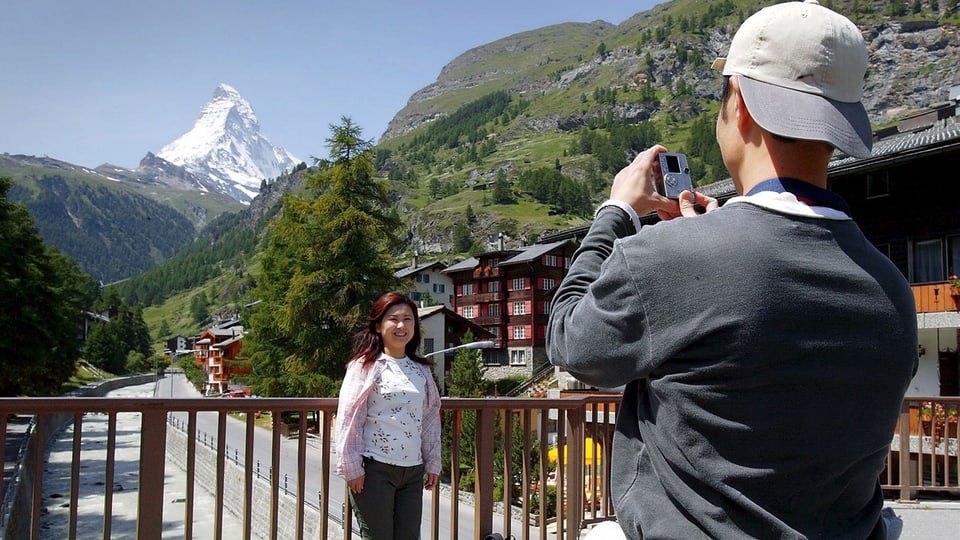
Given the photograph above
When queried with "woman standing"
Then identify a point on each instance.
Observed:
(388, 423)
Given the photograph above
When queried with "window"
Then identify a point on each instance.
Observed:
(518, 357)
(426, 278)
(544, 308)
(519, 308)
(468, 312)
(493, 286)
(519, 284)
(439, 288)
(466, 289)
(519, 332)
(953, 255)
(550, 260)
(928, 261)
(878, 184)
(493, 310)
(428, 345)
(418, 278)
(547, 283)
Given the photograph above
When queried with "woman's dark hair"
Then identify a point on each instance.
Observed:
(368, 345)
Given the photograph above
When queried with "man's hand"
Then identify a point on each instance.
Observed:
(431, 481)
(635, 185)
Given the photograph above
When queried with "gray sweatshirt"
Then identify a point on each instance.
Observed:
(766, 354)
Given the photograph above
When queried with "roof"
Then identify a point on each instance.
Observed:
(230, 341)
(467, 264)
(532, 253)
(447, 313)
(940, 134)
(425, 312)
(413, 269)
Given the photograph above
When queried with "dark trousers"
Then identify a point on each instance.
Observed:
(391, 503)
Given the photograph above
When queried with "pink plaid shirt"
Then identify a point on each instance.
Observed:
(352, 413)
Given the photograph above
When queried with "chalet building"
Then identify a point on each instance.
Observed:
(508, 293)
(442, 328)
(214, 349)
(179, 345)
(902, 196)
(426, 284)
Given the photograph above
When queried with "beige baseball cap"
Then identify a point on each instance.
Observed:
(801, 69)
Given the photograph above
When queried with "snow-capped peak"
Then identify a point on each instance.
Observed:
(225, 145)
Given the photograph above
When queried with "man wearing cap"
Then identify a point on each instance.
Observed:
(765, 346)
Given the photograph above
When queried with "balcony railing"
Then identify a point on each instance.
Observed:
(936, 297)
(303, 499)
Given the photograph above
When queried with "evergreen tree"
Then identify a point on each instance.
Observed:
(110, 344)
(502, 194)
(327, 260)
(44, 295)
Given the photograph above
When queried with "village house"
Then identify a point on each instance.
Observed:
(214, 349)
(508, 293)
(426, 284)
(442, 328)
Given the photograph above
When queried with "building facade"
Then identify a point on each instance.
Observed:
(508, 293)
(426, 284)
(214, 350)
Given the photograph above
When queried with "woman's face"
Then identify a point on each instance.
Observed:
(396, 329)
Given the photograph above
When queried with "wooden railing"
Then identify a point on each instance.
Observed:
(241, 476)
(936, 297)
(923, 460)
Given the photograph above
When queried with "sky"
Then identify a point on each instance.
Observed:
(106, 81)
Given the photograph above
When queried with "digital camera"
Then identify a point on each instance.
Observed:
(674, 175)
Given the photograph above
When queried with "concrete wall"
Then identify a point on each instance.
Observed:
(205, 471)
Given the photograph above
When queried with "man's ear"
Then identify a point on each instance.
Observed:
(740, 108)
(745, 122)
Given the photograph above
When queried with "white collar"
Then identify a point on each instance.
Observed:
(787, 203)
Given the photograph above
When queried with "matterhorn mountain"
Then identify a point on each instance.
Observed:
(226, 150)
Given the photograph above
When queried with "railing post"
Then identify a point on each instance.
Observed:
(483, 474)
(575, 441)
(905, 436)
(153, 453)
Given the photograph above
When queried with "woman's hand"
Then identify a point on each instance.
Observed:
(356, 485)
(431, 481)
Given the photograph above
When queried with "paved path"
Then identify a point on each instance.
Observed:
(90, 506)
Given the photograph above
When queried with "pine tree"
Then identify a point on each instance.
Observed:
(327, 260)
(44, 295)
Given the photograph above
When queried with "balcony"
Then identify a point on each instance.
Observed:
(936, 297)
(215, 445)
